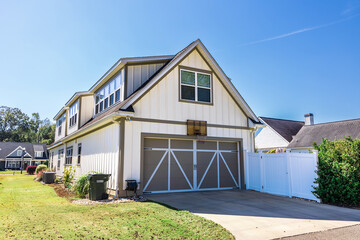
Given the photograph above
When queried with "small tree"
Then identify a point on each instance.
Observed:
(69, 174)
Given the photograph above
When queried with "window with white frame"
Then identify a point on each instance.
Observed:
(195, 86)
(59, 123)
(108, 95)
(39, 154)
(73, 113)
(60, 155)
(79, 154)
(19, 152)
(69, 153)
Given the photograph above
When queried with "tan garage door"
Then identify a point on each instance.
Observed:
(172, 165)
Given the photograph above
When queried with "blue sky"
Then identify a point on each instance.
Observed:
(286, 58)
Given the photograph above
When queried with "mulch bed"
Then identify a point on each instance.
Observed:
(61, 191)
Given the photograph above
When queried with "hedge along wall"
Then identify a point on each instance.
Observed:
(339, 172)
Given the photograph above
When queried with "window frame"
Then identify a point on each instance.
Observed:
(79, 154)
(110, 88)
(196, 71)
(67, 157)
(73, 113)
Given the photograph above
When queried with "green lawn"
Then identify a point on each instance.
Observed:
(30, 210)
(7, 171)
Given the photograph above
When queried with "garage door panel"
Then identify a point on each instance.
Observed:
(232, 162)
(157, 181)
(207, 179)
(211, 145)
(182, 144)
(228, 146)
(186, 161)
(177, 177)
(225, 177)
(155, 143)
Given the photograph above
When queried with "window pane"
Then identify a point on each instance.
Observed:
(112, 86)
(111, 99)
(106, 103)
(187, 77)
(187, 93)
(107, 88)
(97, 109)
(97, 99)
(102, 94)
(101, 106)
(117, 95)
(203, 80)
(203, 95)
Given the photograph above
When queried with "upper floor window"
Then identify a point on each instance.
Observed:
(19, 152)
(195, 86)
(39, 154)
(60, 122)
(73, 112)
(79, 154)
(108, 95)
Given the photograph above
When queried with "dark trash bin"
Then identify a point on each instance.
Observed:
(97, 187)
(48, 177)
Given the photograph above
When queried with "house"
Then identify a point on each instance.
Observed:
(308, 134)
(11, 154)
(277, 133)
(172, 123)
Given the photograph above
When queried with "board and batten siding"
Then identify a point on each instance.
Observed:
(268, 138)
(162, 102)
(86, 109)
(139, 74)
(100, 153)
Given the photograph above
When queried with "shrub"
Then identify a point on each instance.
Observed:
(40, 168)
(30, 170)
(69, 174)
(338, 172)
(81, 186)
(46, 162)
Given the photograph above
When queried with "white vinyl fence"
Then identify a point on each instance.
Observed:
(287, 174)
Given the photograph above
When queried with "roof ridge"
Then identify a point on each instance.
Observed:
(340, 121)
(283, 119)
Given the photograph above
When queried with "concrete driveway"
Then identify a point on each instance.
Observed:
(254, 215)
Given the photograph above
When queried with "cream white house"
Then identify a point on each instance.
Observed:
(172, 123)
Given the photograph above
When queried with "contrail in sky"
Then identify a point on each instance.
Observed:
(299, 31)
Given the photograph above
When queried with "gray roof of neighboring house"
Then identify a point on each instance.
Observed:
(286, 128)
(315, 133)
(6, 148)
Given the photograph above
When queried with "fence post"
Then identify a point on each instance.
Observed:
(246, 162)
(261, 172)
(288, 165)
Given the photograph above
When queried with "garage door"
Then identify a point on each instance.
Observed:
(174, 165)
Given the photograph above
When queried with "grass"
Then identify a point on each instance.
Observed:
(10, 172)
(30, 210)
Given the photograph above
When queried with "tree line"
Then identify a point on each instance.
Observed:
(16, 126)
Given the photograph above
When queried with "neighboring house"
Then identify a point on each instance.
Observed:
(11, 154)
(133, 124)
(277, 133)
(304, 140)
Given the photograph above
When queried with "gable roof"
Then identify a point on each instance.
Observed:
(210, 61)
(315, 133)
(285, 128)
(8, 148)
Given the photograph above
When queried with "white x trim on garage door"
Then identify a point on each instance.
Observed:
(173, 165)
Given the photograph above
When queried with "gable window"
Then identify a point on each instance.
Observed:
(19, 152)
(73, 114)
(39, 154)
(60, 155)
(109, 94)
(69, 153)
(79, 154)
(195, 86)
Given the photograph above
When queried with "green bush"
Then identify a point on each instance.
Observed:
(81, 186)
(40, 167)
(338, 172)
(46, 162)
(69, 174)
